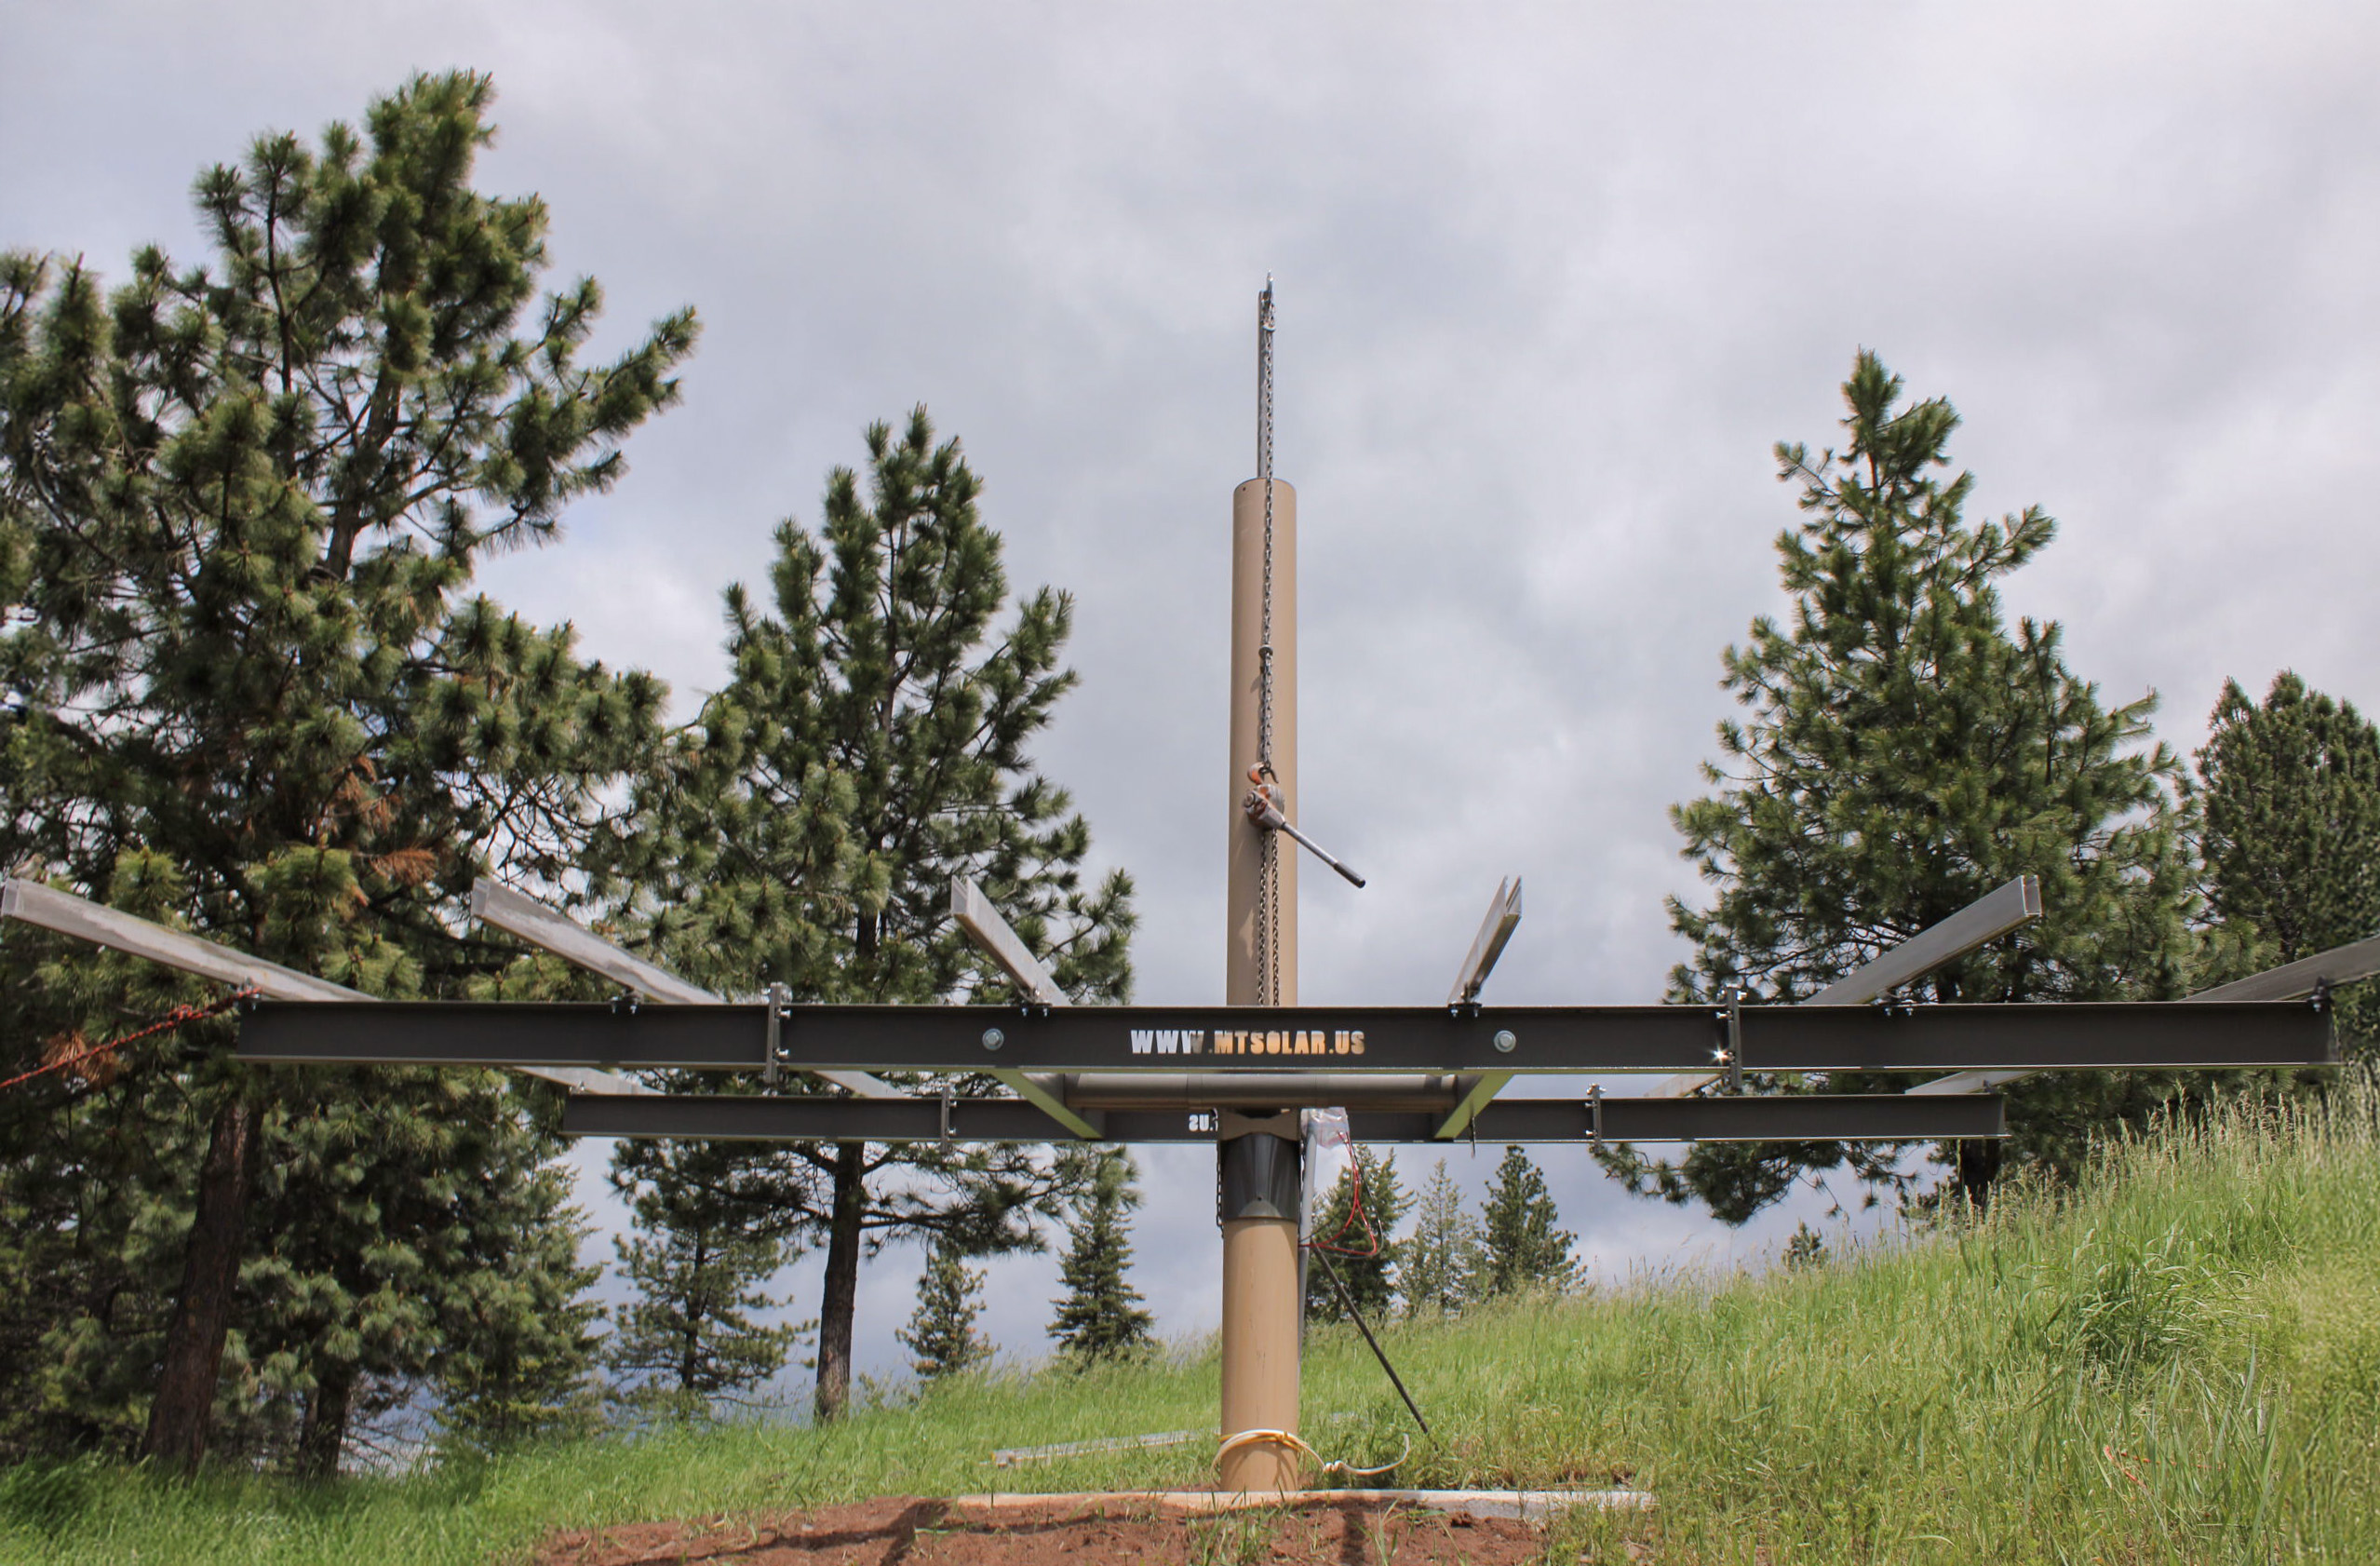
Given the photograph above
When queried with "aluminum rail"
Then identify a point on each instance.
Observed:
(1929, 1039)
(1802, 1117)
(550, 930)
(30, 902)
(1988, 918)
(2291, 981)
(985, 926)
(1495, 932)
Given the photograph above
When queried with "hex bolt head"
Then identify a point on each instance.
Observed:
(994, 1038)
(1504, 1041)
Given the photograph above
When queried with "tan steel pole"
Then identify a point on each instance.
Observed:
(1259, 1171)
(1243, 972)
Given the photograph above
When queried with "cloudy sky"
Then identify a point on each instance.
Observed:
(1553, 279)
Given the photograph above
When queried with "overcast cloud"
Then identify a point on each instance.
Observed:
(1552, 281)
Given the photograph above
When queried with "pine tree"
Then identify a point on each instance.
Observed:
(1905, 754)
(1100, 1316)
(941, 1332)
(2290, 835)
(249, 693)
(1440, 1264)
(1361, 1246)
(872, 743)
(1521, 1249)
(700, 1259)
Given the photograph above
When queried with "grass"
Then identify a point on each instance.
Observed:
(2181, 1363)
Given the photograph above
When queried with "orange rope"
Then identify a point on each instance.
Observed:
(172, 1020)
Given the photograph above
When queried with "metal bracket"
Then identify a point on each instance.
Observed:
(946, 1114)
(1735, 1039)
(1463, 1011)
(1594, 1116)
(778, 998)
(624, 1003)
(2320, 998)
(1032, 1009)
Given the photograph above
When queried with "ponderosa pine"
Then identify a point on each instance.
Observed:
(249, 692)
(1904, 754)
(873, 741)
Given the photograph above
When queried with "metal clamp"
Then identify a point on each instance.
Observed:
(946, 1114)
(778, 998)
(1594, 1116)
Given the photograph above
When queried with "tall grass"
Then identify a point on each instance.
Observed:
(2179, 1363)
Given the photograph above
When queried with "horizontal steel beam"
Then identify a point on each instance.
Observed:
(1793, 1117)
(1519, 1039)
(2340, 964)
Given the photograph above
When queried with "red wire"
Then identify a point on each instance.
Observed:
(172, 1020)
(1355, 1213)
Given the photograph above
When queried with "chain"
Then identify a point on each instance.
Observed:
(1268, 912)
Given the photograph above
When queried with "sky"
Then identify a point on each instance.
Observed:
(1552, 281)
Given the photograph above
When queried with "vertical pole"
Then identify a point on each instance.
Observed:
(1262, 1184)
(1248, 899)
(1259, 1154)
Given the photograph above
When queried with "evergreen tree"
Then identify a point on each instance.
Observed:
(700, 1259)
(1440, 1264)
(2291, 836)
(1905, 754)
(1100, 1316)
(1360, 1245)
(942, 1330)
(1521, 1249)
(249, 693)
(870, 744)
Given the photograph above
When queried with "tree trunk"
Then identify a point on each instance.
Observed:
(324, 1435)
(1978, 1165)
(842, 1280)
(202, 1313)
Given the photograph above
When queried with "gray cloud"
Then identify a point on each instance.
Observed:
(1553, 279)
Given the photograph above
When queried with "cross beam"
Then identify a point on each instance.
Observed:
(2069, 1035)
(1800, 1117)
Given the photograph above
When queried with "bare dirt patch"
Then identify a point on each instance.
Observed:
(907, 1532)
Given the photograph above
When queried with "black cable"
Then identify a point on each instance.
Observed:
(1357, 1316)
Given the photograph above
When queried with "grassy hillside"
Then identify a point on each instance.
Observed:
(2180, 1364)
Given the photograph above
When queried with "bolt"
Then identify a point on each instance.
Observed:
(994, 1038)
(1505, 1041)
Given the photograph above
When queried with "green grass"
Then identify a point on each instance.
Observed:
(2180, 1364)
